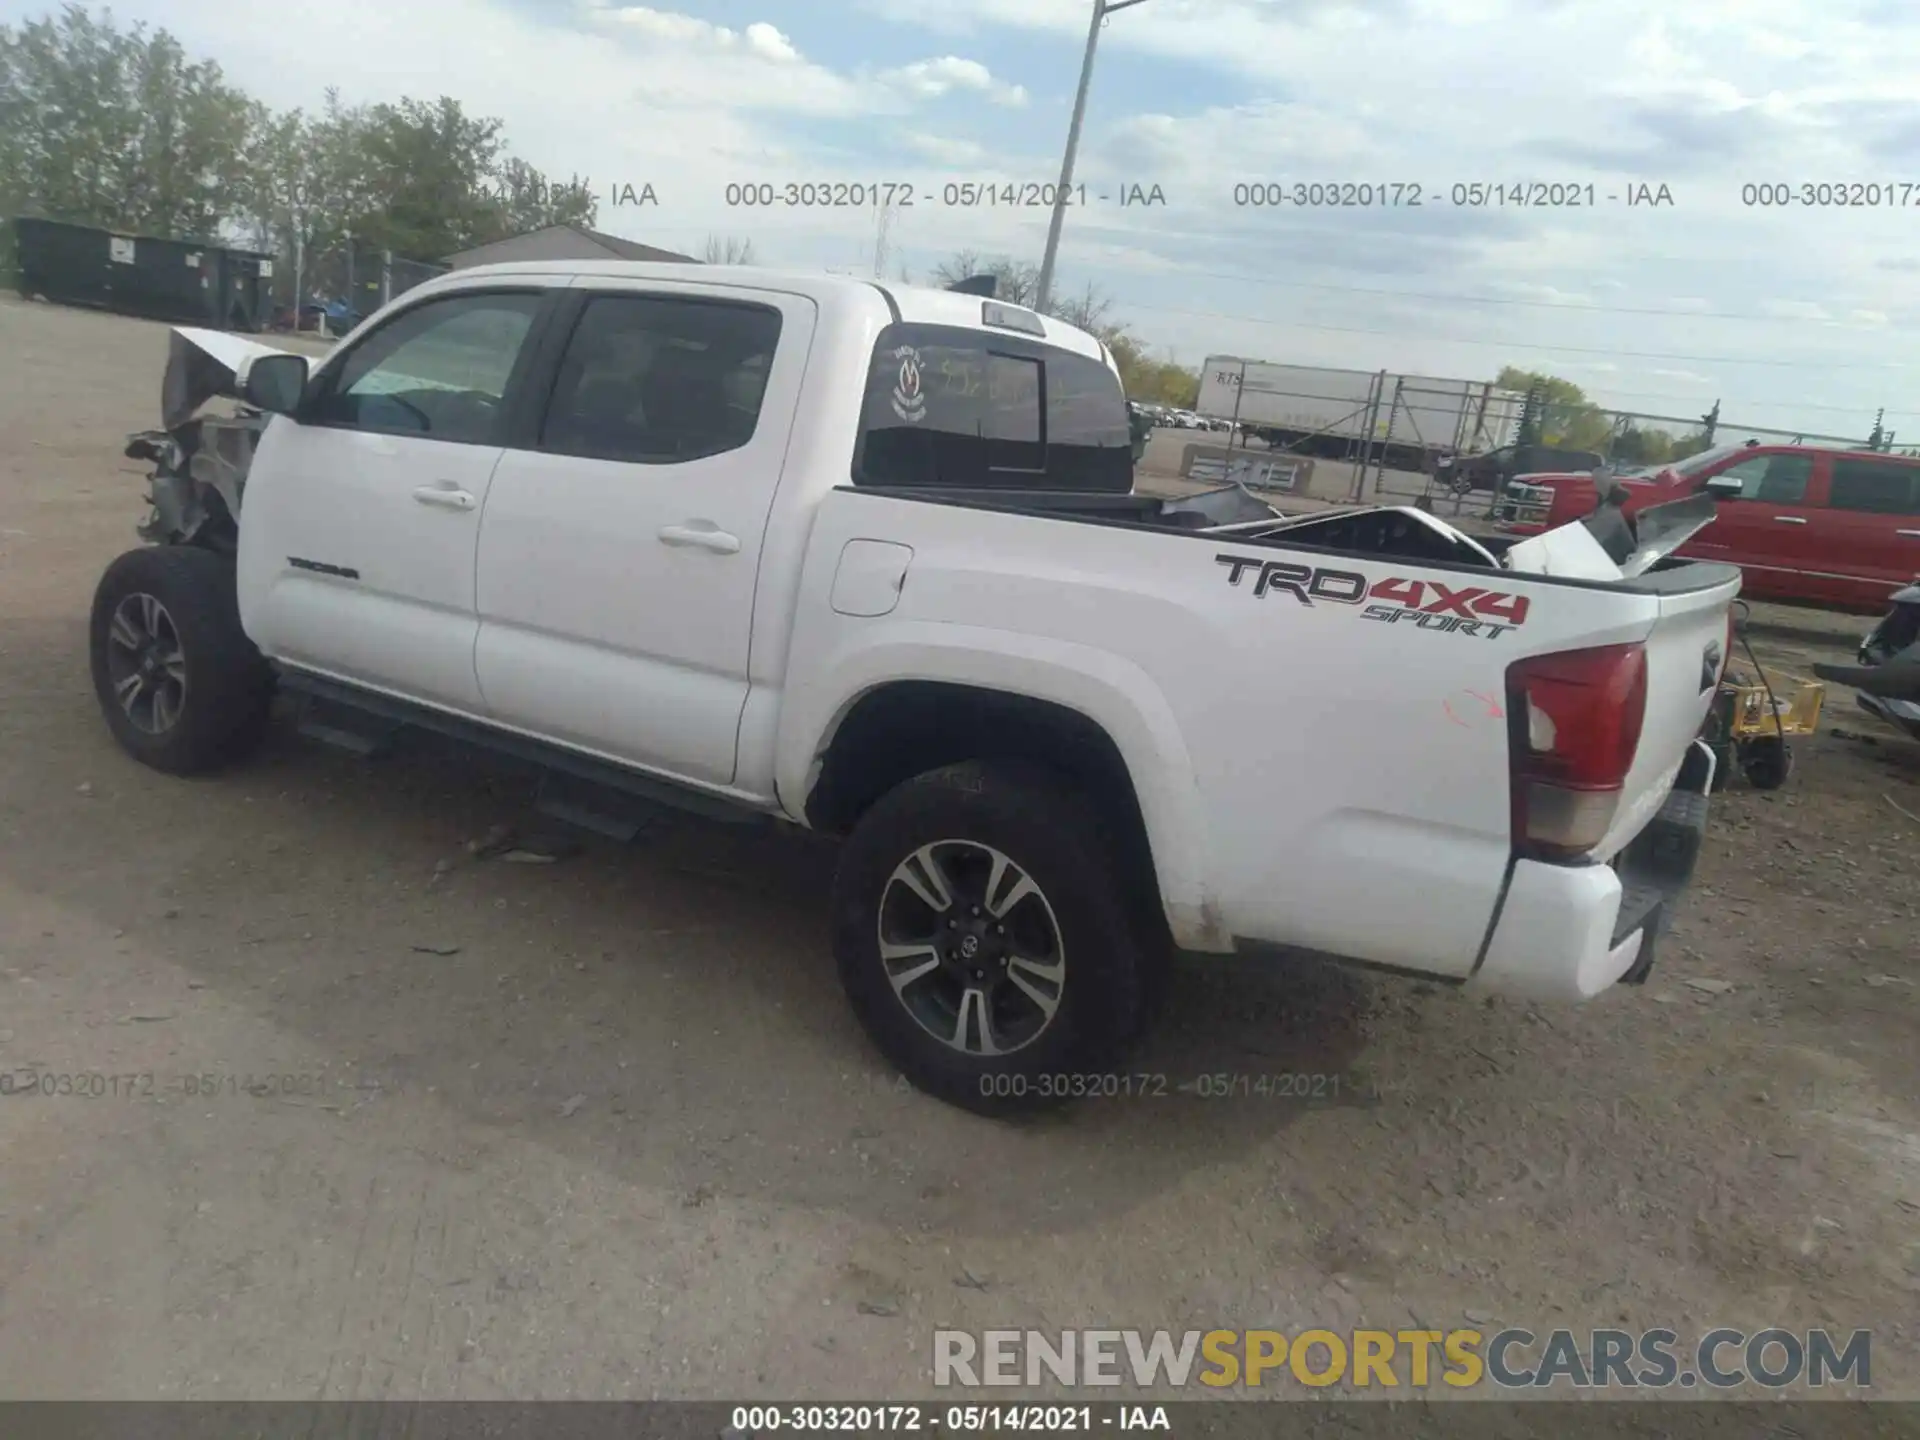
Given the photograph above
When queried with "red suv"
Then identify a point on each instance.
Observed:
(1839, 528)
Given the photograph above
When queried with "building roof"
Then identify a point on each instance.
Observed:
(572, 239)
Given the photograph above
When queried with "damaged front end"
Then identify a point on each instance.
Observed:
(200, 461)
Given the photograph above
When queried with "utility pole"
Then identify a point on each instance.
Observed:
(1101, 10)
(299, 216)
(881, 250)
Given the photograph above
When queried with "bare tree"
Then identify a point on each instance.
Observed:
(1019, 284)
(728, 250)
(1091, 310)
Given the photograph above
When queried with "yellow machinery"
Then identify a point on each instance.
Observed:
(1752, 721)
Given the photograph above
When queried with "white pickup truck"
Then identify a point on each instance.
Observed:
(868, 559)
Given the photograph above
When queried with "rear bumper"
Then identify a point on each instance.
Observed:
(1568, 932)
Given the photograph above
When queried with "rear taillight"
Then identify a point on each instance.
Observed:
(1575, 727)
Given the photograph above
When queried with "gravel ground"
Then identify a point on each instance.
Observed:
(431, 1125)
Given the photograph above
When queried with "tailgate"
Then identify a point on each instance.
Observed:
(1686, 651)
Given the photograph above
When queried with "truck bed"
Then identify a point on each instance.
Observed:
(1370, 534)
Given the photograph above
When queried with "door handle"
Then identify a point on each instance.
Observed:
(703, 534)
(1789, 520)
(1910, 534)
(446, 497)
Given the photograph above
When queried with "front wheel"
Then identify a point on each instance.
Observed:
(181, 686)
(985, 942)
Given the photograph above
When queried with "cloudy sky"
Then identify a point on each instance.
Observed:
(1801, 316)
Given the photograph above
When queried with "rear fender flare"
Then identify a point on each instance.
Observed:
(1110, 691)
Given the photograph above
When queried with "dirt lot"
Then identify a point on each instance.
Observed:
(604, 1127)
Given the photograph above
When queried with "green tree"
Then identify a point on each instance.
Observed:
(524, 198)
(1690, 444)
(427, 166)
(1633, 445)
(308, 184)
(117, 128)
(1568, 418)
(421, 180)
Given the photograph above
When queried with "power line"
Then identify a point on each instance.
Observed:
(1519, 344)
(1734, 404)
(1530, 304)
(1326, 287)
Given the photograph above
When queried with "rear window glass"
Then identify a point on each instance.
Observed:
(970, 409)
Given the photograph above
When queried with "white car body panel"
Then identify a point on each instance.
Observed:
(1308, 775)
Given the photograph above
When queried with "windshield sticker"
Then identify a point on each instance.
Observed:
(909, 400)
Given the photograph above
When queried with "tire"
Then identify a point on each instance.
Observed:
(1766, 762)
(1100, 969)
(171, 614)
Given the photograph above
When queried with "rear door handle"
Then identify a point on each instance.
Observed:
(1910, 534)
(446, 497)
(1789, 520)
(703, 535)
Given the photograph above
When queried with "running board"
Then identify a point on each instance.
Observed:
(578, 789)
(346, 728)
(599, 809)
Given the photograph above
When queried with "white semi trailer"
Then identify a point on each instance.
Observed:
(1319, 410)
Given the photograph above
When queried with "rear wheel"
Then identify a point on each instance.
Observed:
(984, 941)
(181, 686)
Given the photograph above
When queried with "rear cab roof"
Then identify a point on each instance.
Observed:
(910, 304)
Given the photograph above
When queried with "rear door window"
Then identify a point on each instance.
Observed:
(1881, 487)
(661, 380)
(957, 408)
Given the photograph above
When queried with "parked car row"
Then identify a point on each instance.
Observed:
(1173, 418)
(1494, 468)
(1804, 523)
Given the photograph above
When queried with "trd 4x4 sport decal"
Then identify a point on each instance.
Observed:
(1430, 605)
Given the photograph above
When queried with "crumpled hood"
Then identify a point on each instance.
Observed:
(202, 364)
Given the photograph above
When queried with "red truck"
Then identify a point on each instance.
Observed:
(1836, 528)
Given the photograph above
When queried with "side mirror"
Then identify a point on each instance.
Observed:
(274, 383)
(1725, 487)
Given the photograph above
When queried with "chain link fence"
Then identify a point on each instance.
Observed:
(348, 282)
(1372, 437)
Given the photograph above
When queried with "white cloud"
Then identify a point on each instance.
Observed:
(764, 40)
(1685, 376)
(1543, 294)
(934, 78)
(1702, 97)
(1797, 310)
(944, 151)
